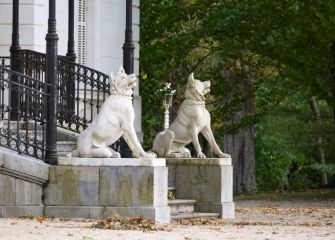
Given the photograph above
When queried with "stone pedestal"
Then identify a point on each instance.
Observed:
(209, 181)
(98, 188)
(21, 184)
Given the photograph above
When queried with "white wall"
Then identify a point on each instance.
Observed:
(33, 15)
(105, 33)
(106, 27)
(105, 38)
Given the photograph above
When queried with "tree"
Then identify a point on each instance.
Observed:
(252, 51)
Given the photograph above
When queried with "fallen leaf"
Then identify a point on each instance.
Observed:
(40, 219)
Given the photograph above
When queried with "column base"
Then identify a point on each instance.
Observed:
(226, 210)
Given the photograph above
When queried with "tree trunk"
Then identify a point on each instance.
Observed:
(318, 140)
(332, 83)
(241, 147)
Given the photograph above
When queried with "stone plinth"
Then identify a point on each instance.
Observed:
(209, 181)
(98, 188)
(21, 184)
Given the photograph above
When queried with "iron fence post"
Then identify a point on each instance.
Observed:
(15, 60)
(128, 60)
(71, 55)
(51, 79)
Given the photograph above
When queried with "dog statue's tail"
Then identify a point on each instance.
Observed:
(75, 153)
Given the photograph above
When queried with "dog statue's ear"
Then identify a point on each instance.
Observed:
(111, 76)
(191, 80)
(111, 80)
(121, 70)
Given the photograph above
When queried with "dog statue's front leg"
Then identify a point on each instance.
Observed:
(208, 134)
(195, 142)
(130, 138)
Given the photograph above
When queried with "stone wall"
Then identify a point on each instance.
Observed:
(79, 187)
(209, 181)
(98, 188)
(21, 184)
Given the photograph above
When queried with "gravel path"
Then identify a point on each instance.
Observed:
(289, 220)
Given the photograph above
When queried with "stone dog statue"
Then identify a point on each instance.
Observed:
(192, 119)
(115, 120)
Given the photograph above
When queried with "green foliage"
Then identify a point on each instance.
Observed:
(283, 45)
(329, 169)
(285, 146)
(273, 163)
(268, 51)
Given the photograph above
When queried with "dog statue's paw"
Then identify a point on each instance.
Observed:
(224, 155)
(149, 155)
(201, 155)
(116, 155)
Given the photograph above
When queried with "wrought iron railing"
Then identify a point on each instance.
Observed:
(25, 134)
(5, 62)
(81, 90)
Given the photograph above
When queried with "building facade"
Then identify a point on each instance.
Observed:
(99, 33)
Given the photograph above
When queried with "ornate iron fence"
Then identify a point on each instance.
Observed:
(81, 90)
(26, 134)
(5, 62)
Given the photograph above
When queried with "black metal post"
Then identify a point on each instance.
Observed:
(128, 46)
(128, 60)
(15, 60)
(51, 78)
(71, 55)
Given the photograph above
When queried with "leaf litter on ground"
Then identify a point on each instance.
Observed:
(39, 219)
(131, 223)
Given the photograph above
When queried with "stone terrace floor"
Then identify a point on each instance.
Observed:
(259, 218)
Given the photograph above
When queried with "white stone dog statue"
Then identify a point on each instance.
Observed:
(115, 120)
(192, 119)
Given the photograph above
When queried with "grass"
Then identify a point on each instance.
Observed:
(320, 194)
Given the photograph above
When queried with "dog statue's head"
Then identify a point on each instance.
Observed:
(121, 83)
(196, 89)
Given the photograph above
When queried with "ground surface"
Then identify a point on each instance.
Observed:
(255, 219)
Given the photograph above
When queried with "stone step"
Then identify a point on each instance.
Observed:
(194, 215)
(171, 193)
(65, 147)
(178, 206)
(67, 143)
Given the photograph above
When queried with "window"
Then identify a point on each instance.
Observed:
(82, 27)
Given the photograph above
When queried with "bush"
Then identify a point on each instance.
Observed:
(272, 163)
(285, 147)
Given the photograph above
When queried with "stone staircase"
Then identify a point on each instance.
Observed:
(184, 209)
(66, 141)
(64, 147)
